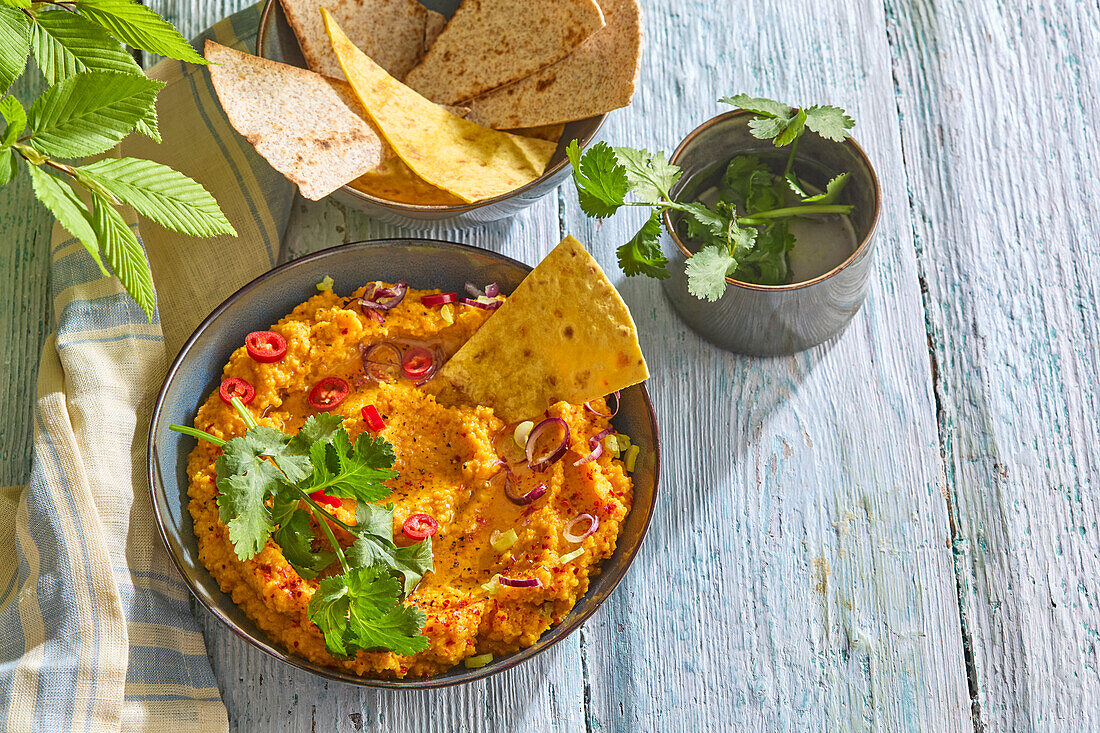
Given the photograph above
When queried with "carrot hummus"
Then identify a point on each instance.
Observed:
(516, 516)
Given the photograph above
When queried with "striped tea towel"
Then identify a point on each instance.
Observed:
(96, 632)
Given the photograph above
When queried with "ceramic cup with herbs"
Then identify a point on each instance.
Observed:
(776, 313)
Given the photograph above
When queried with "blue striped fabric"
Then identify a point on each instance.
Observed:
(97, 630)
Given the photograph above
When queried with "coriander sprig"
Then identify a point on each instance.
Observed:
(745, 233)
(97, 95)
(266, 480)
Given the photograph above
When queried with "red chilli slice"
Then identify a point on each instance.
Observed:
(236, 387)
(265, 346)
(439, 299)
(420, 526)
(322, 498)
(373, 419)
(418, 363)
(328, 393)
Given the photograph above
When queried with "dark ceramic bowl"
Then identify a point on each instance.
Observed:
(774, 320)
(197, 371)
(276, 41)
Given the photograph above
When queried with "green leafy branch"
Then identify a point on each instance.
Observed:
(753, 245)
(267, 481)
(96, 96)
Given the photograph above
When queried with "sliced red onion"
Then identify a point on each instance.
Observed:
(519, 582)
(439, 299)
(492, 290)
(483, 305)
(474, 291)
(594, 524)
(527, 498)
(374, 365)
(383, 299)
(613, 413)
(596, 444)
(376, 315)
(554, 455)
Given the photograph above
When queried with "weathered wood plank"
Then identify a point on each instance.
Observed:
(998, 104)
(24, 308)
(798, 575)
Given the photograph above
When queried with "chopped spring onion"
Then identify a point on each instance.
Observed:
(632, 458)
(492, 586)
(478, 661)
(623, 441)
(523, 431)
(570, 557)
(448, 313)
(611, 443)
(502, 541)
(326, 284)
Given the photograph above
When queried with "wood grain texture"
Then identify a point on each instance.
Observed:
(814, 563)
(1002, 167)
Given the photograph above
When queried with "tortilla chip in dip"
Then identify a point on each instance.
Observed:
(489, 43)
(597, 77)
(392, 32)
(395, 181)
(564, 334)
(307, 127)
(456, 155)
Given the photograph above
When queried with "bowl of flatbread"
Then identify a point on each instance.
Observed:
(414, 112)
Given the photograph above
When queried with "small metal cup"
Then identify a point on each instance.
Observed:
(775, 320)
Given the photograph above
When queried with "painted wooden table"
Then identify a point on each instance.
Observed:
(894, 531)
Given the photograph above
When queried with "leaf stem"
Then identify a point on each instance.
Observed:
(762, 216)
(314, 505)
(245, 414)
(317, 512)
(196, 433)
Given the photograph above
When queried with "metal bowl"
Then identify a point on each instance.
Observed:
(276, 41)
(197, 370)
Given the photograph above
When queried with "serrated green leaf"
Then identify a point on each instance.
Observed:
(794, 129)
(831, 123)
(9, 166)
(15, 44)
(295, 537)
(650, 176)
(124, 254)
(65, 44)
(90, 112)
(156, 191)
(21, 4)
(245, 482)
(642, 254)
(140, 27)
(16, 118)
(832, 191)
(705, 225)
(706, 272)
(759, 106)
(374, 544)
(68, 209)
(766, 128)
(600, 179)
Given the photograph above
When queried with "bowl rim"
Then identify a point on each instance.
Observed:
(266, 644)
(266, 18)
(856, 253)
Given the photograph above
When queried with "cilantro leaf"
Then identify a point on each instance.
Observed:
(759, 105)
(354, 472)
(361, 610)
(374, 544)
(831, 123)
(705, 225)
(706, 272)
(600, 178)
(832, 191)
(768, 262)
(751, 179)
(650, 175)
(767, 128)
(295, 537)
(792, 130)
(241, 496)
(293, 455)
(642, 255)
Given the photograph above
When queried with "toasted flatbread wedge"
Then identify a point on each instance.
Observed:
(564, 334)
(490, 43)
(309, 128)
(597, 77)
(392, 32)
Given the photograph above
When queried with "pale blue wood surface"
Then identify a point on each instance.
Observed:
(894, 531)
